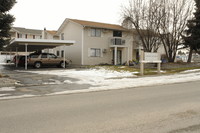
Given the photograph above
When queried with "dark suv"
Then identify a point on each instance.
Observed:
(46, 59)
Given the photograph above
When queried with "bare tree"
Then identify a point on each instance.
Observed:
(172, 25)
(161, 21)
(143, 15)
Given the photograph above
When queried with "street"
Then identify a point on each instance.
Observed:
(173, 108)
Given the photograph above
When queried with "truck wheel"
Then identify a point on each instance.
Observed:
(37, 64)
(63, 65)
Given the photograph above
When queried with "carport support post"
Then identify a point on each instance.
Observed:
(26, 56)
(64, 56)
(115, 56)
(16, 57)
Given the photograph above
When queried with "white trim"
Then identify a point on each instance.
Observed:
(151, 61)
(22, 40)
(82, 47)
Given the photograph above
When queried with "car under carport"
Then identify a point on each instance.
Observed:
(31, 45)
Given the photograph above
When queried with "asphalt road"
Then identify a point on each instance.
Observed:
(171, 108)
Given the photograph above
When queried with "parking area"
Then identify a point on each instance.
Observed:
(20, 83)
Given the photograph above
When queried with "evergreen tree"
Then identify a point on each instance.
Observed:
(6, 20)
(192, 40)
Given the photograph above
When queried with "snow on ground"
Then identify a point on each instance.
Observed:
(193, 70)
(101, 79)
(1, 95)
(7, 89)
(15, 97)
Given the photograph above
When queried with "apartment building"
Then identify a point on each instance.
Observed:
(96, 43)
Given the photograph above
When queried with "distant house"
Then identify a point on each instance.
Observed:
(17, 32)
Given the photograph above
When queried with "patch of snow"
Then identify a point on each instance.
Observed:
(193, 70)
(52, 82)
(7, 89)
(15, 97)
(1, 95)
(68, 82)
(101, 79)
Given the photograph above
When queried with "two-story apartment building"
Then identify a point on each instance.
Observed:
(18, 32)
(96, 43)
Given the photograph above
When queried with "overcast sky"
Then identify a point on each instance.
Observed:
(38, 14)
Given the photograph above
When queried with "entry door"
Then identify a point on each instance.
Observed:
(119, 57)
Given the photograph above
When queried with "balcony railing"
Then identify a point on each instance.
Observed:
(117, 41)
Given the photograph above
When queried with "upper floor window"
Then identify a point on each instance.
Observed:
(62, 36)
(21, 35)
(117, 33)
(96, 32)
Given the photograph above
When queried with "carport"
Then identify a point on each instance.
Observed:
(31, 45)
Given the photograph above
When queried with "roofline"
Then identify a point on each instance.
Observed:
(72, 20)
(14, 28)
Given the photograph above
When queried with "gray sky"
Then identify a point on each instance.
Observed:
(38, 14)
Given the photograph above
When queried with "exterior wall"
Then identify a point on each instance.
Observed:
(104, 43)
(28, 36)
(97, 42)
(72, 31)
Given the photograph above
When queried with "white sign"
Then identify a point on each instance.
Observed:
(151, 57)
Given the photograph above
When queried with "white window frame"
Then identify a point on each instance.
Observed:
(96, 32)
(62, 37)
(95, 52)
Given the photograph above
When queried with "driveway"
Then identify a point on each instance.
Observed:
(19, 83)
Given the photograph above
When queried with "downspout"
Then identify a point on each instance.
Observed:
(82, 47)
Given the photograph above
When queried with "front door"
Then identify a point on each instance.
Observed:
(119, 57)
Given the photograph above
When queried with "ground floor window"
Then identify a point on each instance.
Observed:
(95, 52)
(58, 53)
(62, 53)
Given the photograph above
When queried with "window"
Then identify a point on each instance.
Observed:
(44, 55)
(62, 36)
(96, 32)
(37, 37)
(52, 56)
(58, 53)
(34, 55)
(19, 35)
(117, 33)
(62, 53)
(95, 52)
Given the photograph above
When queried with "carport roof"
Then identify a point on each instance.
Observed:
(36, 44)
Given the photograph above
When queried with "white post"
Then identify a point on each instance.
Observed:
(26, 63)
(64, 56)
(115, 60)
(10, 55)
(128, 56)
(158, 67)
(141, 62)
(16, 58)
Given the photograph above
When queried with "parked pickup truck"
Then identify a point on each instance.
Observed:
(46, 59)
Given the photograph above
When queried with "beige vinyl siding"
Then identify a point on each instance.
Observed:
(98, 42)
(72, 31)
